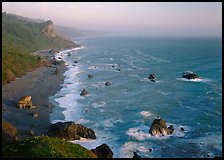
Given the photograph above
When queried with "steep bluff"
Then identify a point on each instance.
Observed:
(48, 29)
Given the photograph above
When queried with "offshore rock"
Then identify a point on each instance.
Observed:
(152, 77)
(190, 75)
(90, 76)
(108, 83)
(159, 128)
(70, 131)
(103, 151)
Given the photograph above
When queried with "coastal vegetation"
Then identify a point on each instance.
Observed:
(21, 37)
(46, 147)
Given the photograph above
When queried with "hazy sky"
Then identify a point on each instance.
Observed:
(135, 18)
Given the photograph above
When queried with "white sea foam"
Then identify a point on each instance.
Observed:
(138, 133)
(194, 80)
(129, 147)
(101, 138)
(98, 104)
(82, 121)
(141, 133)
(145, 113)
(68, 96)
(57, 120)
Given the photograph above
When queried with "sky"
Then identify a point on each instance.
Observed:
(128, 18)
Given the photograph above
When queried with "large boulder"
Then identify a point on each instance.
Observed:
(25, 102)
(159, 128)
(103, 151)
(70, 131)
(9, 133)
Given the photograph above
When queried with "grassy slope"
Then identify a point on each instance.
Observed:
(19, 38)
(46, 147)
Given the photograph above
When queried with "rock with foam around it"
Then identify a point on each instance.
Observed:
(159, 128)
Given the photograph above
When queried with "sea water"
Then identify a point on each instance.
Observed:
(121, 114)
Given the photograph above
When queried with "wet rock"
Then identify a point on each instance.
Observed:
(75, 61)
(159, 128)
(136, 155)
(150, 149)
(182, 129)
(25, 102)
(190, 75)
(84, 92)
(70, 131)
(90, 76)
(56, 70)
(119, 69)
(108, 83)
(152, 77)
(103, 151)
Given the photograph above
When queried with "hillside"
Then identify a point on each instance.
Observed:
(21, 37)
(46, 147)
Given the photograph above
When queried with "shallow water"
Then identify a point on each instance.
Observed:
(122, 113)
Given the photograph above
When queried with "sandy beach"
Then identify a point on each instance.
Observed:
(40, 84)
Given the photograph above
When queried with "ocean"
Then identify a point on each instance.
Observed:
(121, 113)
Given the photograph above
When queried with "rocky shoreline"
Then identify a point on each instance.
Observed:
(39, 84)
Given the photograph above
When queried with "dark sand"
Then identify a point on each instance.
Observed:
(40, 84)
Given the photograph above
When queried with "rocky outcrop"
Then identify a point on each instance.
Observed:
(103, 151)
(49, 29)
(152, 77)
(70, 131)
(9, 133)
(190, 75)
(25, 102)
(159, 128)
(84, 92)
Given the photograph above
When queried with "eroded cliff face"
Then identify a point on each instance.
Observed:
(48, 29)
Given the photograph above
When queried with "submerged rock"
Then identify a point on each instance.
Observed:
(103, 151)
(25, 102)
(70, 131)
(84, 92)
(190, 75)
(159, 128)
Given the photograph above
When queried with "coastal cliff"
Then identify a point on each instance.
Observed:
(20, 37)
